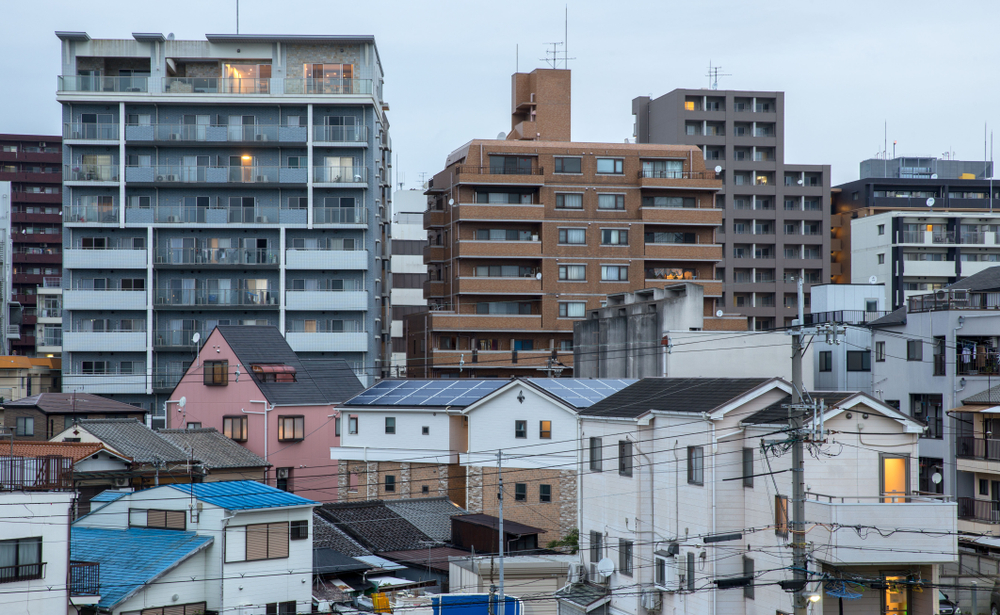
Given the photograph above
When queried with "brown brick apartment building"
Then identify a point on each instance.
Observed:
(32, 164)
(527, 234)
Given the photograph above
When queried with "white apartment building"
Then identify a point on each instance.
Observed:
(686, 481)
(846, 364)
(408, 269)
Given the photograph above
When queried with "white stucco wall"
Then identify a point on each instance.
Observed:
(51, 514)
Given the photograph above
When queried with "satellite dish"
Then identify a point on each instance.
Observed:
(800, 182)
(196, 338)
(930, 202)
(719, 313)
(934, 176)
(451, 201)
(718, 169)
(183, 402)
(936, 478)
(501, 135)
(170, 36)
(873, 280)
(538, 276)
(605, 567)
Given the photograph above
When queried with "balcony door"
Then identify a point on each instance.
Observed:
(182, 291)
(181, 250)
(241, 168)
(97, 126)
(220, 291)
(242, 127)
(895, 478)
(339, 169)
(196, 127)
(194, 168)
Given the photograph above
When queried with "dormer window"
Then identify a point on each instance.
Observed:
(274, 372)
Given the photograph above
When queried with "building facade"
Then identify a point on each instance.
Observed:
(233, 180)
(925, 167)
(409, 273)
(844, 362)
(775, 228)
(33, 259)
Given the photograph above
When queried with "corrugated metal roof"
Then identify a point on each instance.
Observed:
(109, 495)
(242, 495)
(121, 573)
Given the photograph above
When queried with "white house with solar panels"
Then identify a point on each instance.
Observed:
(426, 438)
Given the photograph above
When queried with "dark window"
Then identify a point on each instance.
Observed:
(424, 489)
(390, 424)
(859, 361)
(291, 428)
(520, 492)
(661, 572)
(690, 571)
(781, 515)
(520, 429)
(299, 530)
(596, 454)
(352, 425)
(545, 430)
(544, 493)
(156, 518)
(914, 350)
(928, 408)
(235, 428)
(596, 550)
(25, 426)
(696, 465)
(625, 556)
(748, 572)
(879, 352)
(826, 360)
(748, 467)
(567, 165)
(283, 479)
(425, 430)
(624, 458)
(892, 403)
(984, 487)
(390, 483)
(21, 560)
(280, 608)
(929, 466)
(216, 373)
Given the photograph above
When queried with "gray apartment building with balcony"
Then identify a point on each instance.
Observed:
(241, 179)
(775, 226)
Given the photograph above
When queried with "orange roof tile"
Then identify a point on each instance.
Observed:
(74, 450)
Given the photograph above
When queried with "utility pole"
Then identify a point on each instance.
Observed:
(503, 606)
(799, 561)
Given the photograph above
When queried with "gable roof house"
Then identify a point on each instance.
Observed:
(248, 384)
(693, 461)
(200, 547)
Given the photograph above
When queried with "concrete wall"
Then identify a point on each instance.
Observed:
(53, 512)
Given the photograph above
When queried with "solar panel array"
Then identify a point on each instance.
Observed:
(579, 393)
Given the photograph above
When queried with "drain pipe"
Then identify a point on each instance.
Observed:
(651, 532)
(264, 413)
(715, 451)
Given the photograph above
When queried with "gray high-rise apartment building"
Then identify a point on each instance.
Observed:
(242, 179)
(776, 220)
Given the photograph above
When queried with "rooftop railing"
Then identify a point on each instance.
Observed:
(100, 83)
(665, 174)
(954, 299)
(36, 473)
(84, 579)
(854, 317)
(213, 85)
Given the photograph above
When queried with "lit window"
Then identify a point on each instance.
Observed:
(545, 430)
(689, 105)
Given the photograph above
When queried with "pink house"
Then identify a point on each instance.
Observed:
(249, 384)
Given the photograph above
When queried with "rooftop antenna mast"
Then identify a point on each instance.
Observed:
(237, 16)
(553, 56)
(714, 74)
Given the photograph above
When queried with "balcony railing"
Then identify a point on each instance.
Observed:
(945, 299)
(214, 133)
(943, 237)
(216, 256)
(498, 170)
(91, 213)
(95, 131)
(207, 297)
(664, 174)
(81, 172)
(973, 237)
(36, 473)
(49, 282)
(23, 572)
(340, 175)
(986, 511)
(340, 215)
(179, 214)
(178, 174)
(852, 317)
(84, 579)
(177, 337)
(50, 312)
(977, 448)
(327, 86)
(215, 85)
(94, 83)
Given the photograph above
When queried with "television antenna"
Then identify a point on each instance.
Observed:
(714, 74)
(552, 56)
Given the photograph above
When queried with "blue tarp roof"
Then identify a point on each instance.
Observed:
(242, 495)
(121, 572)
(108, 496)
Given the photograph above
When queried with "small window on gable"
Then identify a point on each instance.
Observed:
(273, 372)
(216, 373)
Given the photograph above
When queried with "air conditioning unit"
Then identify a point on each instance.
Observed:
(650, 599)
(577, 573)
(941, 295)
(175, 136)
(121, 481)
(171, 178)
(262, 219)
(159, 178)
(357, 179)
(133, 89)
(260, 138)
(282, 472)
(173, 219)
(960, 295)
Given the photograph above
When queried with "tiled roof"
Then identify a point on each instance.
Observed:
(121, 573)
(985, 280)
(896, 317)
(432, 516)
(375, 526)
(213, 449)
(132, 438)
(509, 527)
(777, 414)
(317, 382)
(326, 535)
(74, 450)
(72, 403)
(242, 495)
(329, 561)
(434, 557)
(990, 396)
(693, 395)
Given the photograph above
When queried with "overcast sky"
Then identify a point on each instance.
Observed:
(846, 66)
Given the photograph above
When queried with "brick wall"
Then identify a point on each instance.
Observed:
(557, 517)
(411, 479)
(298, 55)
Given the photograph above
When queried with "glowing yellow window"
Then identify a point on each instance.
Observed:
(895, 474)
(689, 105)
(897, 594)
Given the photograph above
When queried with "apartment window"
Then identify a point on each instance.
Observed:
(545, 430)
(157, 518)
(573, 236)
(596, 548)
(625, 556)
(390, 483)
(748, 467)
(21, 559)
(826, 361)
(390, 424)
(696, 465)
(544, 493)
(614, 273)
(352, 425)
(881, 229)
(879, 352)
(279, 608)
(216, 373)
(520, 429)
(614, 237)
(235, 428)
(520, 492)
(425, 430)
(914, 350)
(748, 572)
(611, 201)
(928, 408)
(596, 455)
(859, 361)
(614, 166)
(25, 426)
(291, 428)
(299, 530)
(881, 259)
(624, 458)
(523, 345)
(572, 309)
(569, 201)
(572, 272)
(262, 541)
(669, 201)
(567, 165)
(781, 515)
(984, 487)
(929, 466)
